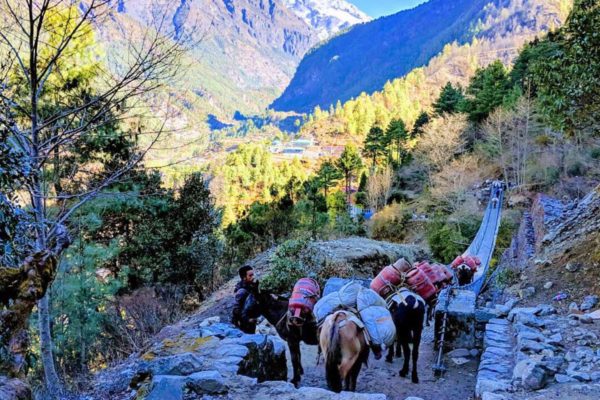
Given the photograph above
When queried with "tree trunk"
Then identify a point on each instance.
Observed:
(53, 385)
(348, 191)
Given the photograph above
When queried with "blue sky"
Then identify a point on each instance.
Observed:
(377, 8)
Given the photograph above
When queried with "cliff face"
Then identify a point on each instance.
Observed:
(576, 229)
(557, 251)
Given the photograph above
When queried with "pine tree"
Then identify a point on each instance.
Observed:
(397, 135)
(449, 100)
(422, 120)
(375, 145)
(349, 164)
(328, 176)
(487, 90)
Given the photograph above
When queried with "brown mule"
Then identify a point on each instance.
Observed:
(345, 348)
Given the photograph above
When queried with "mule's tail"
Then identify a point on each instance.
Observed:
(333, 359)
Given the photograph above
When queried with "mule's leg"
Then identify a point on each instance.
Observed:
(406, 351)
(294, 346)
(398, 348)
(415, 354)
(390, 355)
(354, 375)
(350, 357)
(347, 382)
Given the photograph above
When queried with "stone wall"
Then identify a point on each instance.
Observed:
(208, 359)
(522, 245)
(459, 306)
(536, 350)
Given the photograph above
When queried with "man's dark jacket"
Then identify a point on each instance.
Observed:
(241, 308)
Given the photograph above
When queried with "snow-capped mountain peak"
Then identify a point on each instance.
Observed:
(327, 17)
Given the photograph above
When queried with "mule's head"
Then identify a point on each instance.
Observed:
(464, 274)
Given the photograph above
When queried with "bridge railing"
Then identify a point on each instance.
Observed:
(484, 243)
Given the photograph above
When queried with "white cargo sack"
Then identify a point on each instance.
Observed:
(348, 294)
(326, 305)
(376, 317)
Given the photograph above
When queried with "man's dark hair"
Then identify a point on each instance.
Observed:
(242, 271)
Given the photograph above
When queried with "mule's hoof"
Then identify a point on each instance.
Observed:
(415, 379)
(389, 360)
(403, 373)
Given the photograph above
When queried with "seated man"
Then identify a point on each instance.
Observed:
(245, 287)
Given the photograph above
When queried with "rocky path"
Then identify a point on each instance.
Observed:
(380, 377)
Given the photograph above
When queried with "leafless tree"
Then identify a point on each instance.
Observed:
(379, 188)
(34, 50)
(441, 141)
(510, 131)
(452, 185)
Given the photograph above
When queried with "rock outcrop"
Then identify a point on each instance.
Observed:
(13, 389)
(204, 358)
(579, 223)
(356, 257)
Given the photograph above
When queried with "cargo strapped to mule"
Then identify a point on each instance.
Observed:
(399, 297)
(352, 315)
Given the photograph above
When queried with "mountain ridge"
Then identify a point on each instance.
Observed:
(327, 17)
(369, 55)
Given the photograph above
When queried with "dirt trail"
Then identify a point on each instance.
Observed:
(380, 377)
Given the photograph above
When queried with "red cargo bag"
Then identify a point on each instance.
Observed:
(420, 283)
(305, 295)
(386, 281)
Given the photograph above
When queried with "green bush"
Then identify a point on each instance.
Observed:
(543, 140)
(361, 199)
(507, 277)
(448, 239)
(543, 176)
(390, 223)
(577, 168)
(287, 268)
(595, 153)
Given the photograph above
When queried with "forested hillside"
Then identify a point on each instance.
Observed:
(365, 58)
(503, 33)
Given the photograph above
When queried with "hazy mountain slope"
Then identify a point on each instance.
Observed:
(247, 50)
(327, 17)
(367, 56)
